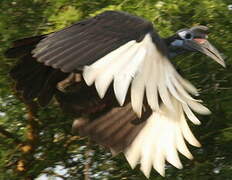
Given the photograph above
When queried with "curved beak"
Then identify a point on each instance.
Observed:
(204, 46)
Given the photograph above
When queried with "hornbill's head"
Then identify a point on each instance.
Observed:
(193, 40)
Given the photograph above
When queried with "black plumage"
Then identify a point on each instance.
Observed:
(90, 40)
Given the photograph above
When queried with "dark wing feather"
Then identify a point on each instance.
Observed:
(114, 129)
(23, 46)
(85, 42)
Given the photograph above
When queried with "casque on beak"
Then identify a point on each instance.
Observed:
(204, 46)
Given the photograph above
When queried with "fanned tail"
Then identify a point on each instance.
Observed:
(162, 137)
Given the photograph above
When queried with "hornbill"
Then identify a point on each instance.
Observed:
(113, 71)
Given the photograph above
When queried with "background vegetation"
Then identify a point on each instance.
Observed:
(41, 146)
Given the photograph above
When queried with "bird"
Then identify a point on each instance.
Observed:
(114, 72)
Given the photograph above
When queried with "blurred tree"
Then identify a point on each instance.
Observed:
(36, 143)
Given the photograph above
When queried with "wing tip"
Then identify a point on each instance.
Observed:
(87, 76)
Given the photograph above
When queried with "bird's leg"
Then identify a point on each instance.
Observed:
(78, 126)
(88, 156)
(70, 80)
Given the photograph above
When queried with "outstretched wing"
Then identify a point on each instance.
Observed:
(115, 47)
(87, 41)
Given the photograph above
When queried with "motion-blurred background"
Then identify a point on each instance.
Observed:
(42, 146)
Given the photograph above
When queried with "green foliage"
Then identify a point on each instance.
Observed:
(57, 147)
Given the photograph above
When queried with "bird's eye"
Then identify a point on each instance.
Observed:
(186, 35)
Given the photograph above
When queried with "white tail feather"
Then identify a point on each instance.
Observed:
(163, 135)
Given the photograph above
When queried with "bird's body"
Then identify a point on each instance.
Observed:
(113, 71)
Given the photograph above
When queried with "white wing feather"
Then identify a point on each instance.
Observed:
(90, 73)
(123, 79)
